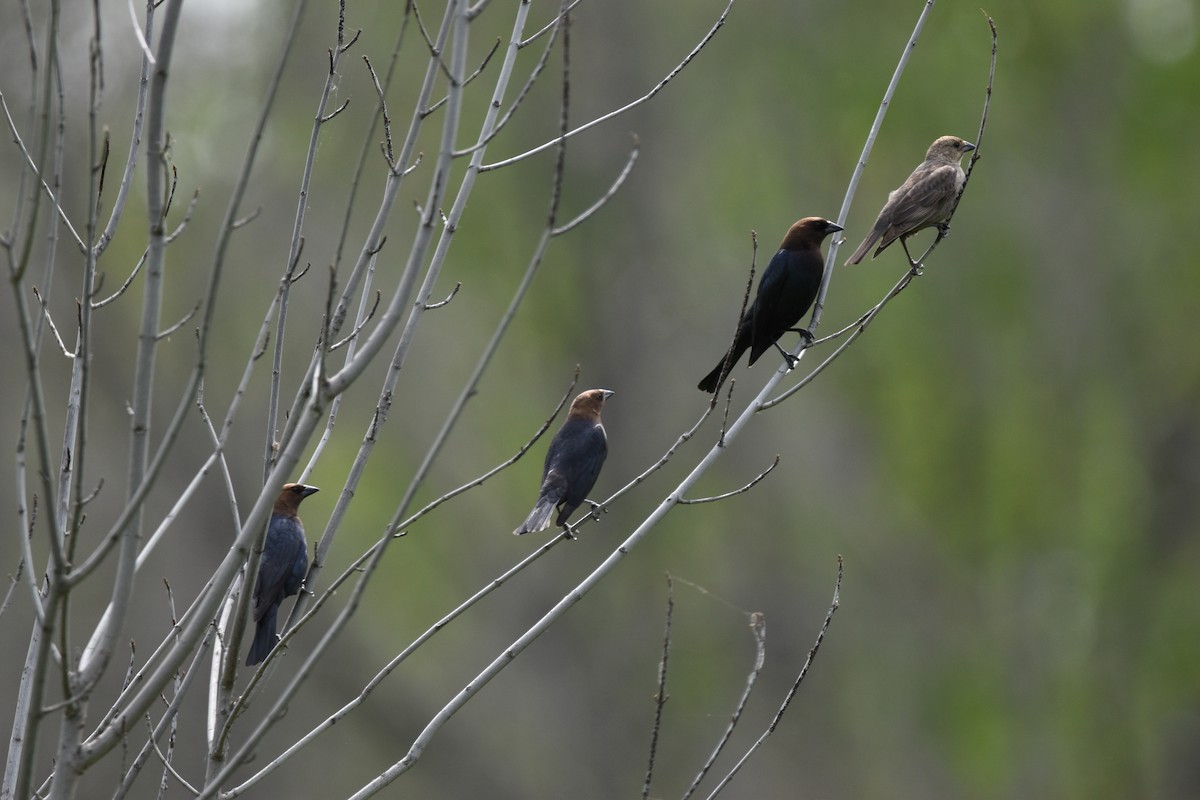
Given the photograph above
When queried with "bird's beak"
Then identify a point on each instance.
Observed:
(968, 147)
(309, 490)
(607, 393)
(834, 227)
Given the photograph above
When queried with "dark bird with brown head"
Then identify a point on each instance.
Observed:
(924, 200)
(281, 569)
(573, 462)
(788, 286)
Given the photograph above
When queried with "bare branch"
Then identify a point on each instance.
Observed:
(13, 580)
(357, 328)
(607, 196)
(660, 698)
(387, 121)
(552, 26)
(334, 113)
(860, 327)
(449, 297)
(124, 286)
(12, 127)
(478, 71)
(812, 654)
(167, 333)
(141, 37)
(758, 625)
(746, 488)
(187, 217)
(522, 93)
(50, 321)
(616, 113)
(246, 220)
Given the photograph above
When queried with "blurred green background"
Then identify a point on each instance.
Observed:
(1009, 459)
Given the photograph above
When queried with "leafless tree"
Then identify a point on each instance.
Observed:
(71, 715)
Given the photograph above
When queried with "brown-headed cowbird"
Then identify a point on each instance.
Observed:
(924, 200)
(281, 569)
(573, 462)
(787, 288)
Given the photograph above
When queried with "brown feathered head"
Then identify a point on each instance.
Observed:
(808, 233)
(289, 499)
(948, 148)
(588, 404)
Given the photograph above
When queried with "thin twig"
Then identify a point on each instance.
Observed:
(449, 297)
(187, 217)
(603, 200)
(141, 37)
(534, 73)
(13, 580)
(12, 128)
(137, 267)
(167, 333)
(812, 654)
(549, 27)
(758, 625)
(466, 81)
(660, 698)
(387, 120)
(358, 328)
(50, 321)
(627, 107)
(746, 488)
(860, 326)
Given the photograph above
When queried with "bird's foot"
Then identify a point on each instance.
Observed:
(568, 533)
(805, 335)
(914, 266)
(791, 360)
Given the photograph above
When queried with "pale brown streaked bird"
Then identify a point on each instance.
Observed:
(922, 201)
(573, 462)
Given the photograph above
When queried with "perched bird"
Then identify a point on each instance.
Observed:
(281, 569)
(786, 290)
(573, 462)
(924, 200)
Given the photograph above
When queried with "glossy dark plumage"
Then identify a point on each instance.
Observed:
(573, 462)
(787, 288)
(281, 569)
(922, 201)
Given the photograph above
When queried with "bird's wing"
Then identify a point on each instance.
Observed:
(281, 550)
(771, 290)
(581, 461)
(923, 203)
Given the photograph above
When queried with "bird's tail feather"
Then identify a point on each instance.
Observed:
(539, 518)
(711, 382)
(866, 245)
(264, 640)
